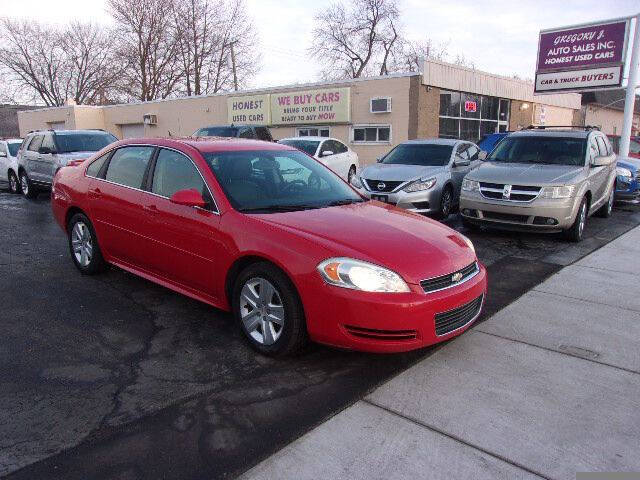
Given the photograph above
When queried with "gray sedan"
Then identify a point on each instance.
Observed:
(422, 176)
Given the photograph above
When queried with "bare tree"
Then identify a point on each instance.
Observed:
(206, 32)
(147, 41)
(411, 54)
(351, 39)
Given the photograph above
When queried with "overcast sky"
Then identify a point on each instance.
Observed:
(498, 36)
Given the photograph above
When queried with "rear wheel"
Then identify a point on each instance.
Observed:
(269, 311)
(14, 184)
(576, 232)
(83, 245)
(607, 208)
(446, 203)
(352, 172)
(27, 187)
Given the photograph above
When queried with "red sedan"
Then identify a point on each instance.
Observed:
(271, 234)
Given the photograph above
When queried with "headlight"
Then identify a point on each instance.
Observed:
(359, 275)
(356, 182)
(420, 185)
(470, 185)
(558, 192)
(623, 172)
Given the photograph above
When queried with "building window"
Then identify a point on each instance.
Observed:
(371, 134)
(313, 132)
(468, 116)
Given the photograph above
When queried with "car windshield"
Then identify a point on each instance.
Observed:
(68, 142)
(13, 148)
(265, 181)
(217, 132)
(546, 150)
(426, 155)
(307, 146)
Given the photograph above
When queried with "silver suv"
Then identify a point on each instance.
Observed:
(423, 176)
(44, 152)
(542, 179)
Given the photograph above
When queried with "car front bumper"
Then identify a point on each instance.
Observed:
(388, 322)
(424, 202)
(627, 188)
(551, 215)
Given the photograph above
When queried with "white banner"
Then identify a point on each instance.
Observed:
(579, 79)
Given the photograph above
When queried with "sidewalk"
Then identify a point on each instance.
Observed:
(548, 387)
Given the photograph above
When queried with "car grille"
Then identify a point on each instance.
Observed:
(389, 186)
(449, 321)
(506, 217)
(446, 281)
(388, 335)
(519, 193)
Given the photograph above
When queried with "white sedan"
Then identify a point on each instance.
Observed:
(9, 163)
(330, 151)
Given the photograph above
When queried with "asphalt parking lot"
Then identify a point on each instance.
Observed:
(113, 377)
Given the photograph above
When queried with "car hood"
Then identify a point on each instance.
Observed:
(629, 162)
(413, 246)
(380, 171)
(525, 173)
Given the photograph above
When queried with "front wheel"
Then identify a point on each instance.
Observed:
(446, 203)
(83, 245)
(268, 309)
(351, 174)
(576, 232)
(27, 187)
(14, 184)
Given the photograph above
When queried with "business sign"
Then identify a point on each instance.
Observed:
(251, 110)
(332, 105)
(470, 106)
(582, 58)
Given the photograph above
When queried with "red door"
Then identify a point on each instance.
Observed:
(115, 208)
(184, 242)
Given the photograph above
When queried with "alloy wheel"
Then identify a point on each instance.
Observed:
(352, 172)
(13, 183)
(445, 206)
(24, 183)
(82, 244)
(610, 204)
(583, 219)
(261, 311)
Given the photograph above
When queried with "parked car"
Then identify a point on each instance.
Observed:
(330, 151)
(542, 179)
(634, 145)
(44, 152)
(423, 176)
(9, 163)
(628, 178)
(274, 236)
(490, 140)
(257, 132)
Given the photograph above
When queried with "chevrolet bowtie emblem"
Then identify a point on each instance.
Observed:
(506, 193)
(456, 277)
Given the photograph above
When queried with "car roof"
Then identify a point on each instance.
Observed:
(71, 132)
(435, 141)
(209, 144)
(553, 133)
(313, 138)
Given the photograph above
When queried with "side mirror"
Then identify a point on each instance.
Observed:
(461, 162)
(188, 198)
(379, 159)
(601, 161)
(482, 155)
(3, 154)
(326, 153)
(45, 151)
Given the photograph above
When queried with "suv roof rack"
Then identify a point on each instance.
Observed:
(576, 127)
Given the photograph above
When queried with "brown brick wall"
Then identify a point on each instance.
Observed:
(424, 110)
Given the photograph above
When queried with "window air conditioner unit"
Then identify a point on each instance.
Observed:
(150, 119)
(381, 105)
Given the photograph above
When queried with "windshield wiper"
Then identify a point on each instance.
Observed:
(279, 208)
(338, 203)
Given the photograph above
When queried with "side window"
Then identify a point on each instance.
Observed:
(463, 151)
(47, 142)
(329, 145)
(593, 149)
(634, 146)
(263, 134)
(174, 172)
(246, 133)
(34, 146)
(602, 147)
(127, 166)
(94, 168)
(341, 147)
(473, 152)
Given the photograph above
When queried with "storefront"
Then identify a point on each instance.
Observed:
(371, 115)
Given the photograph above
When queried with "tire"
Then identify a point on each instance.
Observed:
(446, 203)
(576, 232)
(83, 246)
(470, 226)
(352, 172)
(607, 208)
(27, 187)
(14, 184)
(277, 339)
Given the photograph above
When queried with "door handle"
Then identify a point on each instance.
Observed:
(96, 193)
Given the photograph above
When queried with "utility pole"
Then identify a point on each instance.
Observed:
(630, 98)
(233, 65)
